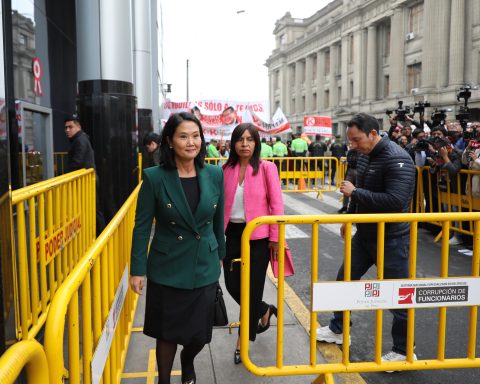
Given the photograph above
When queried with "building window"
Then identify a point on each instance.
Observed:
(327, 63)
(386, 86)
(22, 39)
(387, 42)
(414, 76)
(326, 103)
(283, 39)
(415, 19)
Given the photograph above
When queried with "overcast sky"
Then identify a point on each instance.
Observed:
(226, 50)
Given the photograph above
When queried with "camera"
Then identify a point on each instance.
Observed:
(422, 145)
(420, 107)
(400, 112)
(439, 116)
(464, 93)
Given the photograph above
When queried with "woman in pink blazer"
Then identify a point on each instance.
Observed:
(252, 189)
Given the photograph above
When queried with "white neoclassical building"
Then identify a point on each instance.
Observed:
(366, 55)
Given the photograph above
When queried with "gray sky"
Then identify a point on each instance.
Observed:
(226, 50)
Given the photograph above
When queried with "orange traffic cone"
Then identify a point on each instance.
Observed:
(301, 186)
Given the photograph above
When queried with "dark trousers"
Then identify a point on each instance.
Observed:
(259, 259)
(364, 255)
(333, 171)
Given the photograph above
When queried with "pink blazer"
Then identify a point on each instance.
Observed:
(261, 197)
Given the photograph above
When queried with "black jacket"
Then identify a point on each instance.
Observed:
(81, 152)
(385, 184)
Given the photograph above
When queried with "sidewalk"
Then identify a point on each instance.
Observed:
(214, 365)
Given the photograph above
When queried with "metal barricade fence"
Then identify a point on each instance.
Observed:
(304, 174)
(102, 277)
(441, 192)
(59, 161)
(27, 354)
(55, 225)
(346, 365)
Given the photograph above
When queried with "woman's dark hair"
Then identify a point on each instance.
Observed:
(151, 136)
(167, 155)
(236, 135)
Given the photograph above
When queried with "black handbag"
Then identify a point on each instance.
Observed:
(220, 317)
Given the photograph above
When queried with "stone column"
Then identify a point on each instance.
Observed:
(344, 70)
(371, 81)
(298, 86)
(397, 55)
(288, 88)
(308, 84)
(475, 10)
(284, 92)
(334, 49)
(271, 88)
(429, 45)
(320, 80)
(457, 43)
(358, 65)
(468, 59)
(441, 43)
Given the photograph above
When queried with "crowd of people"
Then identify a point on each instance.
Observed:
(446, 148)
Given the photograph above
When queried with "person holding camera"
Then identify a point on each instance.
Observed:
(471, 158)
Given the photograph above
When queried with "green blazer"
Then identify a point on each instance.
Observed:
(186, 248)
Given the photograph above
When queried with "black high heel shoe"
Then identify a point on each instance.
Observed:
(236, 357)
(262, 328)
(188, 377)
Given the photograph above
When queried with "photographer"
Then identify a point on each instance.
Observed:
(470, 157)
(445, 157)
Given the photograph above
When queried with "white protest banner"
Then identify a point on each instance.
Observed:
(394, 294)
(278, 124)
(218, 117)
(313, 125)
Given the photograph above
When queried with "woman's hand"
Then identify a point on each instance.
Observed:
(136, 283)
(273, 245)
(473, 156)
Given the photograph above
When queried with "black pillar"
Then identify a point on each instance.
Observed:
(107, 111)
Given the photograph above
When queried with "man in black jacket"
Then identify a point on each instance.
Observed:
(81, 156)
(384, 184)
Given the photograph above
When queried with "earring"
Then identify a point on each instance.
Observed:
(171, 147)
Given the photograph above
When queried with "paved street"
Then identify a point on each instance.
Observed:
(426, 320)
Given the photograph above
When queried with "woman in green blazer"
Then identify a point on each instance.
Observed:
(185, 197)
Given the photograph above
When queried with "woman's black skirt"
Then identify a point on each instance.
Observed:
(180, 316)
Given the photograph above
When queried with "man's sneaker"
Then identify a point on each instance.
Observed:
(394, 356)
(325, 334)
(455, 241)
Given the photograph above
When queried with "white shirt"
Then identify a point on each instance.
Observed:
(238, 208)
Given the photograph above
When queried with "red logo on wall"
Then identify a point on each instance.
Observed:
(405, 295)
(37, 75)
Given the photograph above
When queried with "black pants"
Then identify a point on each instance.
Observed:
(259, 258)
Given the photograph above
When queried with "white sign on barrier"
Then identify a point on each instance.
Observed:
(103, 347)
(393, 294)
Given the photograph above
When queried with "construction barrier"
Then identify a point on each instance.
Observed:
(6, 253)
(27, 354)
(55, 225)
(98, 335)
(469, 360)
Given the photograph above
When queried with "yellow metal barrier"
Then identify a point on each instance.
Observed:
(55, 225)
(27, 354)
(98, 274)
(303, 174)
(346, 365)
